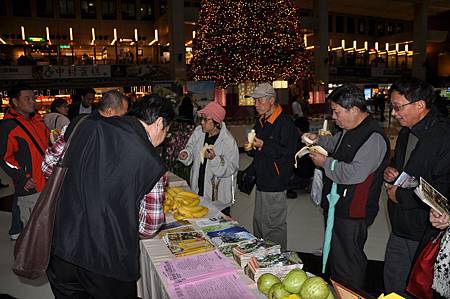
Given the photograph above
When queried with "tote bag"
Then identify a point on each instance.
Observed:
(32, 248)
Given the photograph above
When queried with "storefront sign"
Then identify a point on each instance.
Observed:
(15, 72)
(78, 71)
(36, 39)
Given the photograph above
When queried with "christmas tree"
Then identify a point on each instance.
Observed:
(249, 40)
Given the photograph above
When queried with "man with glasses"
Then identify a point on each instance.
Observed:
(422, 150)
(274, 149)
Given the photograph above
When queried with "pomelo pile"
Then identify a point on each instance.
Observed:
(296, 285)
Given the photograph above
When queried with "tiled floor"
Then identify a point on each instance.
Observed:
(305, 234)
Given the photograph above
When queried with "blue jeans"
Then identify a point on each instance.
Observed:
(16, 223)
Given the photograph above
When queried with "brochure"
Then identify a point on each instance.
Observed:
(432, 197)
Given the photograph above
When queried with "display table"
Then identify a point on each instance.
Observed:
(154, 252)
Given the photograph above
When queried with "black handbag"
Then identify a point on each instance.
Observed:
(246, 179)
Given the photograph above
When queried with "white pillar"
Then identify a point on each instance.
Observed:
(321, 63)
(420, 39)
(176, 37)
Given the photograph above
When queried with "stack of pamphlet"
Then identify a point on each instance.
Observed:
(257, 247)
(187, 243)
(182, 226)
(204, 276)
(278, 264)
(226, 239)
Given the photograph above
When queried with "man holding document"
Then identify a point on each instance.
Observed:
(422, 150)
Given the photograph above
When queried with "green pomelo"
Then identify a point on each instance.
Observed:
(314, 288)
(266, 281)
(294, 280)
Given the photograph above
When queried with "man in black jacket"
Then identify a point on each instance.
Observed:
(112, 162)
(275, 143)
(84, 105)
(422, 150)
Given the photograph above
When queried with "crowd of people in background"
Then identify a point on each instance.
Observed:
(114, 188)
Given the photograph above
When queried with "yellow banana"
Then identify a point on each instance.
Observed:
(188, 194)
(201, 213)
(176, 189)
(177, 216)
(190, 210)
(185, 213)
(194, 203)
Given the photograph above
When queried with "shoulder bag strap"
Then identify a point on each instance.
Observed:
(36, 144)
(66, 146)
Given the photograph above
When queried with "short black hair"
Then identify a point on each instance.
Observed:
(58, 102)
(348, 96)
(150, 107)
(414, 89)
(85, 91)
(14, 91)
(111, 99)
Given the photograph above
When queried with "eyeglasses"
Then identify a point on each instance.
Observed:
(397, 108)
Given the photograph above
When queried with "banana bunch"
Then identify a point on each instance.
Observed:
(183, 204)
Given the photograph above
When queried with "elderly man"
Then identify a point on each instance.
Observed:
(112, 163)
(353, 175)
(275, 144)
(23, 140)
(422, 150)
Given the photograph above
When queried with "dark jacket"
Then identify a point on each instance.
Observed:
(20, 158)
(111, 166)
(430, 159)
(74, 110)
(357, 201)
(273, 164)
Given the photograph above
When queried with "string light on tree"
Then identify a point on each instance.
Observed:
(249, 40)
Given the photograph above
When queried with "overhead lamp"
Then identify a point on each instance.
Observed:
(2, 41)
(406, 48)
(115, 37)
(354, 44)
(387, 47)
(155, 39)
(343, 44)
(193, 34)
(22, 29)
(71, 34)
(47, 32)
(93, 36)
(397, 47)
(366, 45)
(135, 34)
(376, 46)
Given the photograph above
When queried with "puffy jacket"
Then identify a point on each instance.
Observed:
(21, 159)
(224, 166)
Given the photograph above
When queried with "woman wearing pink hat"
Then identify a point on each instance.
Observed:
(214, 156)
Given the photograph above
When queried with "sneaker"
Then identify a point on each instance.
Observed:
(14, 237)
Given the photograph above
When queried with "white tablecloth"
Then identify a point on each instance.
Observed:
(154, 251)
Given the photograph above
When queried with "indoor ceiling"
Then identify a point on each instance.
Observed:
(391, 9)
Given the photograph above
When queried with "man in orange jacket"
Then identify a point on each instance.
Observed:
(23, 140)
